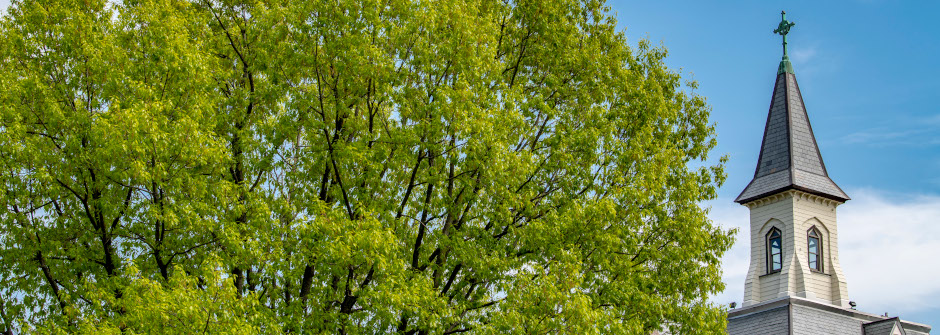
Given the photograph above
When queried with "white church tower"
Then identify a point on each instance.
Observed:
(794, 284)
(794, 236)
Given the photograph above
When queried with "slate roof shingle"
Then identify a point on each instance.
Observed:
(789, 157)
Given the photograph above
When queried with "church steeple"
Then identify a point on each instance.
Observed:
(794, 235)
(794, 283)
(789, 157)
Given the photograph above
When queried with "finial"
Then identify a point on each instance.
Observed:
(783, 29)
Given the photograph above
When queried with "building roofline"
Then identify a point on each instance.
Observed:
(792, 187)
(786, 301)
(896, 318)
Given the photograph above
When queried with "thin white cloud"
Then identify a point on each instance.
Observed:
(882, 136)
(729, 215)
(933, 120)
(803, 55)
(888, 249)
(919, 132)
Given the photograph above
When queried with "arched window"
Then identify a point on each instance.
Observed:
(774, 250)
(814, 249)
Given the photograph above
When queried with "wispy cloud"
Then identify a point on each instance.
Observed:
(933, 120)
(888, 244)
(803, 55)
(730, 215)
(919, 132)
(812, 57)
(882, 136)
(888, 249)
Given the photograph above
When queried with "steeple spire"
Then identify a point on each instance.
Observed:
(789, 157)
(783, 29)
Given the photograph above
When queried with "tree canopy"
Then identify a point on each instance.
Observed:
(356, 167)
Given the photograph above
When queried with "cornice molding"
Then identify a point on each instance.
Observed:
(795, 194)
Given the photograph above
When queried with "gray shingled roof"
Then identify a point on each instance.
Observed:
(882, 327)
(789, 156)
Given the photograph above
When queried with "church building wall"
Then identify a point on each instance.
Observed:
(794, 213)
(759, 285)
(828, 286)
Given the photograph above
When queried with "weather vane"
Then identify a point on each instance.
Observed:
(783, 29)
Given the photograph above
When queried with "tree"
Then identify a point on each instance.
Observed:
(350, 167)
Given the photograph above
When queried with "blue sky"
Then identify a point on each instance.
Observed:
(868, 74)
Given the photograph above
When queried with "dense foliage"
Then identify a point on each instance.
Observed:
(362, 167)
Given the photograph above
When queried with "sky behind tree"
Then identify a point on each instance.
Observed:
(867, 71)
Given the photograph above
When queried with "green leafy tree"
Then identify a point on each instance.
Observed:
(356, 167)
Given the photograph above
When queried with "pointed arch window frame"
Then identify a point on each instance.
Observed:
(771, 265)
(814, 255)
